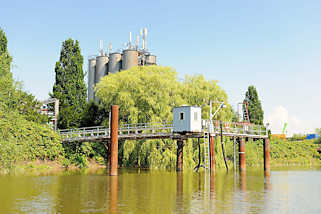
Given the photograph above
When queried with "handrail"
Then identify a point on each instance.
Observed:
(159, 128)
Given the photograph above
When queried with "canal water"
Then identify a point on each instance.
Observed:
(143, 191)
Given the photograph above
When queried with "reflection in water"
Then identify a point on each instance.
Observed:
(179, 191)
(267, 181)
(212, 186)
(243, 181)
(113, 193)
(134, 191)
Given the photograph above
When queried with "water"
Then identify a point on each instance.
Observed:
(142, 191)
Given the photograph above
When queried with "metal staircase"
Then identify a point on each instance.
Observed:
(206, 150)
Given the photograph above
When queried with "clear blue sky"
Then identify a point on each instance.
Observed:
(272, 44)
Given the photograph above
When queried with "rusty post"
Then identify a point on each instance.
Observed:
(179, 162)
(267, 156)
(114, 141)
(212, 153)
(242, 154)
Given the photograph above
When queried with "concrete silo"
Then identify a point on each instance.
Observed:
(114, 64)
(91, 78)
(101, 67)
(130, 59)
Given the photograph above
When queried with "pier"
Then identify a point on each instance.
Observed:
(164, 130)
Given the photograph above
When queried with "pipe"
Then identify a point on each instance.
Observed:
(223, 150)
(267, 156)
(242, 154)
(179, 162)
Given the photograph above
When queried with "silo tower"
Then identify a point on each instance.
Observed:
(101, 65)
(91, 77)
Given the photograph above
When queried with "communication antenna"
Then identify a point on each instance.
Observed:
(144, 38)
(110, 48)
(130, 37)
(137, 42)
(101, 50)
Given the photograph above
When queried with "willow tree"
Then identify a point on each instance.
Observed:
(69, 86)
(255, 110)
(148, 94)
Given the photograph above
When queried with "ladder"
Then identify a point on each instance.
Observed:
(206, 150)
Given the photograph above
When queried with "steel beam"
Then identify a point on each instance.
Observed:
(242, 162)
(179, 162)
(114, 140)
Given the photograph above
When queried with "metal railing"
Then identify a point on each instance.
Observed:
(124, 131)
(155, 130)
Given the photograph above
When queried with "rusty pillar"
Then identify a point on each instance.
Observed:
(267, 156)
(212, 154)
(114, 141)
(242, 154)
(179, 163)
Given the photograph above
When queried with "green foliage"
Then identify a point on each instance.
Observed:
(297, 137)
(255, 110)
(94, 114)
(295, 152)
(69, 86)
(23, 140)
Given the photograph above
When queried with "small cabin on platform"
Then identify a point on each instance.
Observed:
(187, 119)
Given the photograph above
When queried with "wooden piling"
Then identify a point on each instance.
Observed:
(267, 156)
(114, 140)
(212, 154)
(179, 162)
(242, 162)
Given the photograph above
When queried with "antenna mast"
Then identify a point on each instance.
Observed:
(101, 50)
(110, 48)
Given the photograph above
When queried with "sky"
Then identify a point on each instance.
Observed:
(271, 44)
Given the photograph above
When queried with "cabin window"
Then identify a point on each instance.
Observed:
(181, 116)
(195, 116)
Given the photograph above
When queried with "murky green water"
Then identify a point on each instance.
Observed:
(139, 191)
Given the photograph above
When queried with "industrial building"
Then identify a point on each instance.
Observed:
(113, 62)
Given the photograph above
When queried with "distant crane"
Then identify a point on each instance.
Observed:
(284, 128)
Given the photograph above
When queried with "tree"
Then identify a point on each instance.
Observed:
(255, 110)
(69, 86)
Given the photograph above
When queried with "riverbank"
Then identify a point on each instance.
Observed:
(283, 153)
(40, 167)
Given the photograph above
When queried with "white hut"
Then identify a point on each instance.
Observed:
(187, 119)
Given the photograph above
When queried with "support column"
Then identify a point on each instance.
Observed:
(114, 140)
(267, 156)
(212, 153)
(179, 162)
(242, 154)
